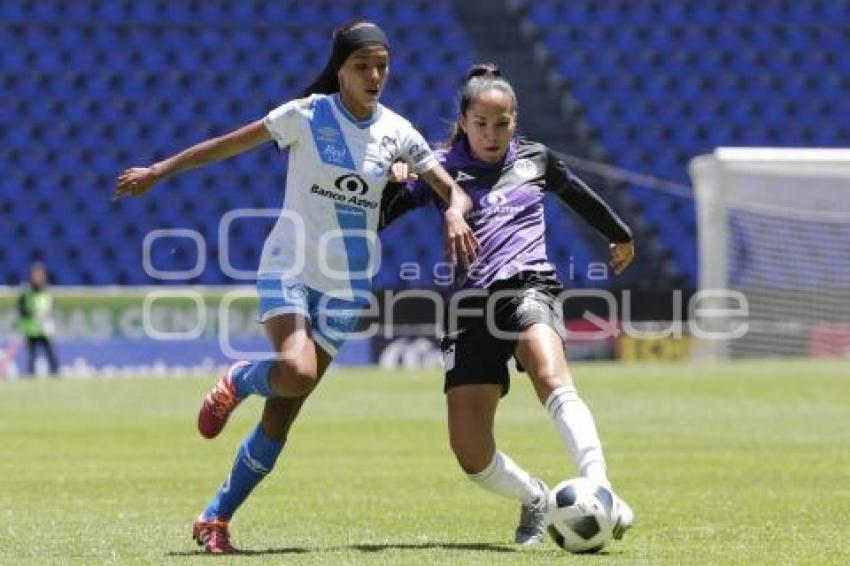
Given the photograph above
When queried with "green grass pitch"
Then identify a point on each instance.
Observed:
(747, 463)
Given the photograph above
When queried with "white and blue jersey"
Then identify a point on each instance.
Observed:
(325, 238)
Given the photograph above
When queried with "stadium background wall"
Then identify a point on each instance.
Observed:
(109, 334)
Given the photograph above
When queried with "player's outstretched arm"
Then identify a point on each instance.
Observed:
(460, 241)
(138, 180)
(595, 211)
(581, 198)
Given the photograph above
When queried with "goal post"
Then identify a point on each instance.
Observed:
(774, 225)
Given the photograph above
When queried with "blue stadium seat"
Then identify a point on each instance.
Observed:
(92, 87)
(707, 73)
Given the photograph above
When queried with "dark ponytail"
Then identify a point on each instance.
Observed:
(346, 40)
(481, 77)
(326, 83)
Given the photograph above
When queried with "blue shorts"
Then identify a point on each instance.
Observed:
(331, 319)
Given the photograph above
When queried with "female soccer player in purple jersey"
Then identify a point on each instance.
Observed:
(512, 290)
(342, 143)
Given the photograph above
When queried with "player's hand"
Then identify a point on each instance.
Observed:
(621, 255)
(135, 181)
(400, 173)
(460, 241)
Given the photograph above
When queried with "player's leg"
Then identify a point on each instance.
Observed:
(306, 328)
(257, 455)
(540, 351)
(307, 355)
(31, 353)
(471, 411)
(52, 361)
(320, 318)
(291, 375)
(279, 413)
(295, 366)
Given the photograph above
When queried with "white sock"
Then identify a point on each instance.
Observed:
(578, 431)
(504, 477)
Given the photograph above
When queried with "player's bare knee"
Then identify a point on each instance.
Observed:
(301, 378)
(549, 378)
(471, 456)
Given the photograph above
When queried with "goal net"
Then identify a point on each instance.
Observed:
(774, 225)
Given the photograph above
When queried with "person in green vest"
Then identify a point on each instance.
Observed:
(35, 306)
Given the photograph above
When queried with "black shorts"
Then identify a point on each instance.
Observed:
(475, 352)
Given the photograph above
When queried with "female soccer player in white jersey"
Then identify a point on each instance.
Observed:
(315, 266)
(513, 280)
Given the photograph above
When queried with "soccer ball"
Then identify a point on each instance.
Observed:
(580, 517)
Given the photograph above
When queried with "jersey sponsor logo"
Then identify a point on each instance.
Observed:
(525, 168)
(344, 198)
(493, 205)
(327, 134)
(493, 198)
(495, 212)
(463, 176)
(334, 154)
(352, 183)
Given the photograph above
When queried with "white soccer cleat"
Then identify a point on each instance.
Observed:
(624, 517)
(532, 519)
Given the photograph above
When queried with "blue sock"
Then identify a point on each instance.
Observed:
(254, 460)
(253, 379)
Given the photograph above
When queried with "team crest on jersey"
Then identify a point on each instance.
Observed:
(525, 168)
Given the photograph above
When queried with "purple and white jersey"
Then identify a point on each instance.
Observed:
(507, 215)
